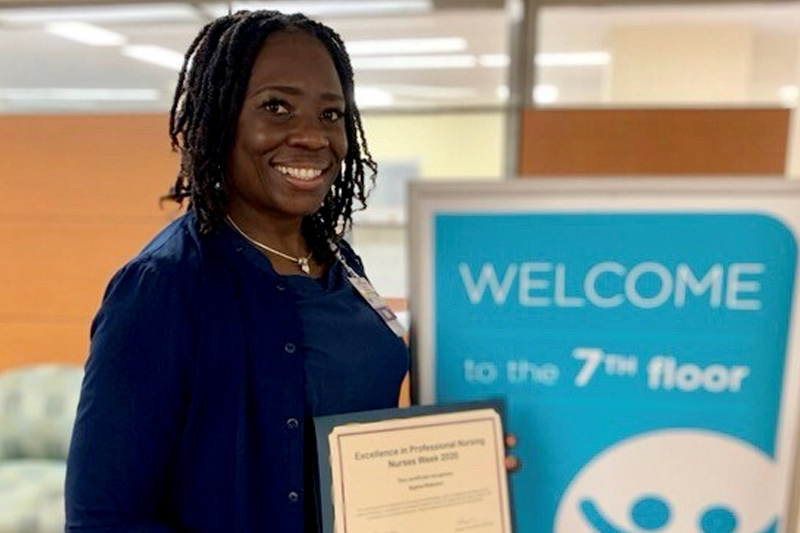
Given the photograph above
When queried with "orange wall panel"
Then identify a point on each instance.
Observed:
(28, 342)
(80, 197)
(58, 265)
(586, 142)
(84, 165)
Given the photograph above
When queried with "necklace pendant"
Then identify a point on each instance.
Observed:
(302, 262)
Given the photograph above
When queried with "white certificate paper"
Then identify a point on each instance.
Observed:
(441, 472)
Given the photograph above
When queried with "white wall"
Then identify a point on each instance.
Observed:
(443, 146)
(669, 63)
(447, 145)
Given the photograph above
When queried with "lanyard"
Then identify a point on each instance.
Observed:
(370, 295)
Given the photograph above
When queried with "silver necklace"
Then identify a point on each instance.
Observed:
(301, 262)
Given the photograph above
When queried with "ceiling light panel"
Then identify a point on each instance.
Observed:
(433, 45)
(545, 94)
(85, 33)
(74, 94)
(107, 13)
(494, 60)
(565, 59)
(573, 59)
(432, 92)
(414, 62)
(373, 97)
(326, 8)
(157, 55)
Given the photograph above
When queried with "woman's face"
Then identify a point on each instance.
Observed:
(290, 137)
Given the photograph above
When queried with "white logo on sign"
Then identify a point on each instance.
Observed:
(673, 481)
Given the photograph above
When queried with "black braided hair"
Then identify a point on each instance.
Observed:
(205, 111)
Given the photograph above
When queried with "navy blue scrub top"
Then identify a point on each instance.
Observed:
(204, 372)
(344, 343)
(342, 336)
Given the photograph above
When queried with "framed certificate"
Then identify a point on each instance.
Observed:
(423, 468)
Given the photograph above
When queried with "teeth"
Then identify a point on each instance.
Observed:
(299, 173)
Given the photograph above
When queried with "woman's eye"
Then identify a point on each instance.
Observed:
(332, 115)
(276, 107)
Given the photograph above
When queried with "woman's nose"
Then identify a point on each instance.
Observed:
(308, 134)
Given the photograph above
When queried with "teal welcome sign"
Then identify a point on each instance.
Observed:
(643, 353)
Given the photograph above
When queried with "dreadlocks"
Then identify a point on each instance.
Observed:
(208, 99)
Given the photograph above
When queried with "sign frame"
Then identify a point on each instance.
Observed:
(776, 197)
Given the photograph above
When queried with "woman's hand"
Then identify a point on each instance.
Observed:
(513, 463)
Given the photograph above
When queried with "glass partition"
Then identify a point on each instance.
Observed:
(432, 76)
(125, 58)
(697, 54)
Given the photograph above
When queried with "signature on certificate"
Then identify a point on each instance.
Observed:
(469, 523)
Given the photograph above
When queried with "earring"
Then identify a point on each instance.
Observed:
(217, 185)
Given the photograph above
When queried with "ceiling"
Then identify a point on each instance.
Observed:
(44, 72)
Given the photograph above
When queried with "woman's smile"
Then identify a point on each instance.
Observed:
(299, 173)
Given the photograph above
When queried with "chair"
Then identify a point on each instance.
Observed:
(37, 410)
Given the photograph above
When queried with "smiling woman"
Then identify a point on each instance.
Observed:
(238, 323)
(290, 141)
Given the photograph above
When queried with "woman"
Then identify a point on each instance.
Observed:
(215, 346)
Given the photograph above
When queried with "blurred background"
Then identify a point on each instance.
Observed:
(455, 90)
(449, 90)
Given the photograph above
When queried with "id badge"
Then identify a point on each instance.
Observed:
(365, 289)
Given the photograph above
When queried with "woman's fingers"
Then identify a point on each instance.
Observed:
(513, 463)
